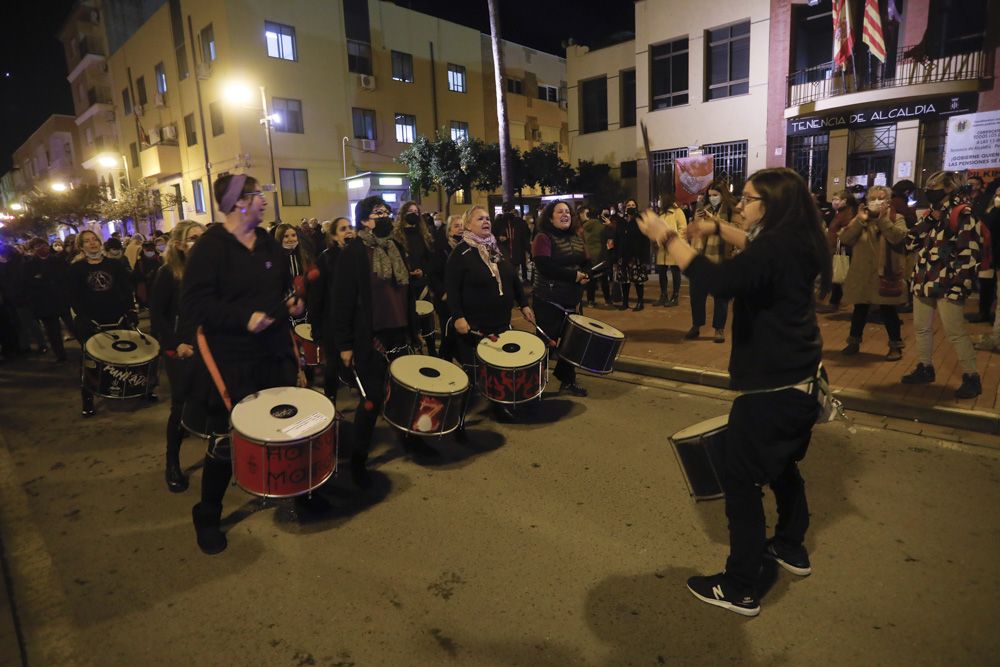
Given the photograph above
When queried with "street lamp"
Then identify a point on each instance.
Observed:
(111, 162)
(59, 186)
(242, 95)
(17, 206)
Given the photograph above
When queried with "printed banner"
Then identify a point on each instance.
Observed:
(692, 176)
(973, 141)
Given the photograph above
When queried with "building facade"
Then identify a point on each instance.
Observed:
(50, 158)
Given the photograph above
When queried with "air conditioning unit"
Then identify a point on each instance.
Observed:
(169, 132)
(158, 100)
(367, 82)
(368, 145)
(138, 109)
(203, 70)
(563, 104)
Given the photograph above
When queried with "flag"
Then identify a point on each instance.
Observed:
(843, 40)
(871, 32)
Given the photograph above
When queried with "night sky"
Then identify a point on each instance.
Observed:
(33, 72)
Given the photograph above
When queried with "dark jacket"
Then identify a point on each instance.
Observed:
(165, 317)
(555, 271)
(473, 293)
(100, 292)
(45, 282)
(352, 303)
(319, 297)
(631, 243)
(513, 237)
(225, 283)
(776, 339)
(437, 263)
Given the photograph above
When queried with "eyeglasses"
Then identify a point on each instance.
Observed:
(382, 211)
(746, 199)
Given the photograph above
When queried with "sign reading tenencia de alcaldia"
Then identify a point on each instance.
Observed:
(973, 141)
(884, 115)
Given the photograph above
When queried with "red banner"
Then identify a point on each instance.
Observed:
(692, 176)
(843, 38)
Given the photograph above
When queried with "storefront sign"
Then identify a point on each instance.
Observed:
(933, 108)
(973, 141)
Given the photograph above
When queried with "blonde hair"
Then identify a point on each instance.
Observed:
(453, 217)
(174, 258)
(952, 180)
(879, 189)
(467, 216)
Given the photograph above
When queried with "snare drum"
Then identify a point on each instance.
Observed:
(590, 344)
(311, 353)
(284, 442)
(120, 363)
(424, 395)
(700, 451)
(512, 369)
(425, 313)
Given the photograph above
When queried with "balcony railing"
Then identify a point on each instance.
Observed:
(824, 81)
(98, 96)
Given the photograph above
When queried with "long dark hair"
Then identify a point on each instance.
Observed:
(545, 219)
(790, 209)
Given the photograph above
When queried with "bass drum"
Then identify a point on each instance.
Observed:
(700, 451)
(425, 314)
(120, 363)
(512, 369)
(590, 344)
(424, 395)
(284, 442)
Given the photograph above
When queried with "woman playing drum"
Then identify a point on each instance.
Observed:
(235, 286)
(482, 287)
(100, 294)
(175, 337)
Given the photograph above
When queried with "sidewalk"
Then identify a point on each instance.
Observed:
(655, 345)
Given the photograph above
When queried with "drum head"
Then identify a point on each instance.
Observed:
(429, 375)
(122, 347)
(596, 327)
(283, 414)
(513, 349)
(424, 308)
(701, 428)
(304, 331)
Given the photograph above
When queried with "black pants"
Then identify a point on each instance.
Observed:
(551, 320)
(987, 292)
(889, 316)
(768, 435)
(640, 289)
(179, 373)
(605, 288)
(53, 331)
(699, 297)
(662, 270)
(447, 348)
(372, 372)
(836, 294)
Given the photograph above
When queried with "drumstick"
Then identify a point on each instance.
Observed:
(141, 335)
(493, 337)
(551, 342)
(369, 406)
(298, 290)
(101, 329)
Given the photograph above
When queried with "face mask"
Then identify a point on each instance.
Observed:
(161, 249)
(114, 254)
(412, 219)
(631, 210)
(383, 227)
(456, 237)
(289, 245)
(148, 253)
(93, 255)
(714, 200)
(42, 252)
(876, 205)
(57, 248)
(935, 196)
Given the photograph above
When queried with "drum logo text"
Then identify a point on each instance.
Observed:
(125, 376)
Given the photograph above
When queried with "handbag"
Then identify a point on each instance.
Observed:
(841, 265)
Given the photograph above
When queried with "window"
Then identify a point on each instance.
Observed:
(406, 128)
(459, 130)
(294, 187)
(140, 90)
(207, 38)
(668, 74)
(290, 113)
(134, 150)
(160, 75)
(364, 123)
(199, 195)
(177, 28)
(548, 93)
(456, 78)
(189, 130)
(728, 61)
(629, 169)
(627, 82)
(460, 197)
(594, 105)
(359, 57)
(515, 86)
(730, 161)
(126, 102)
(358, 33)
(280, 41)
(402, 67)
(808, 155)
(215, 113)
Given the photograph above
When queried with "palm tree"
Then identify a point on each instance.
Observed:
(505, 175)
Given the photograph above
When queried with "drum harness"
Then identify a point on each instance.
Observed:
(817, 386)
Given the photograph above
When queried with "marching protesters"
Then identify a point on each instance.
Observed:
(411, 232)
(45, 281)
(948, 246)
(144, 271)
(876, 272)
(774, 364)
(514, 237)
(445, 241)
(320, 303)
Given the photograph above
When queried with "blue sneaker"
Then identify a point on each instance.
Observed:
(718, 590)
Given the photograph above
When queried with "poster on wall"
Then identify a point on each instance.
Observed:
(973, 141)
(692, 176)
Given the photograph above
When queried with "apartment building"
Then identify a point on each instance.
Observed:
(49, 159)
(334, 91)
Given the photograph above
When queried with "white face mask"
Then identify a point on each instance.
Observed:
(877, 205)
(290, 245)
(714, 200)
(93, 255)
(148, 253)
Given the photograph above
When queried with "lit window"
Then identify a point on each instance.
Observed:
(294, 187)
(406, 128)
(207, 36)
(459, 130)
(456, 78)
(290, 113)
(280, 41)
(402, 67)
(199, 195)
(160, 74)
(364, 123)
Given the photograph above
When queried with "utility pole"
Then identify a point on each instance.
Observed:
(505, 175)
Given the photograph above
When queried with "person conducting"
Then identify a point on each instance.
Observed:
(774, 363)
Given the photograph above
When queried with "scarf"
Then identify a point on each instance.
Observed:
(386, 260)
(488, 252)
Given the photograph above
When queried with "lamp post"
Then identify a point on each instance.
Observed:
(266, 121)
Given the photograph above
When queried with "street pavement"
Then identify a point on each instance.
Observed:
(563, 541)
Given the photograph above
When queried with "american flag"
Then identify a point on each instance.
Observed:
(871, 32)
(843, 40)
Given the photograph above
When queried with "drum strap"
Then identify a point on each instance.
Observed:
(213, 369)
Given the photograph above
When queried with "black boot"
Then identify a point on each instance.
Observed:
(211, 539)
(971, 387)
(176, 480)
(359, 471)
(88, 404)
(921, 375)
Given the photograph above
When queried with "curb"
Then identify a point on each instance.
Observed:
(859, 400)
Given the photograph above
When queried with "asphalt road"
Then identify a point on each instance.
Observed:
(566, 541)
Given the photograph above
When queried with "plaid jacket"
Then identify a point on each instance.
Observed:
(948, 254)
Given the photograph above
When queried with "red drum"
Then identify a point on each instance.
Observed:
(512, 369)
(311, 353)
(284, 442)
(424, 395)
